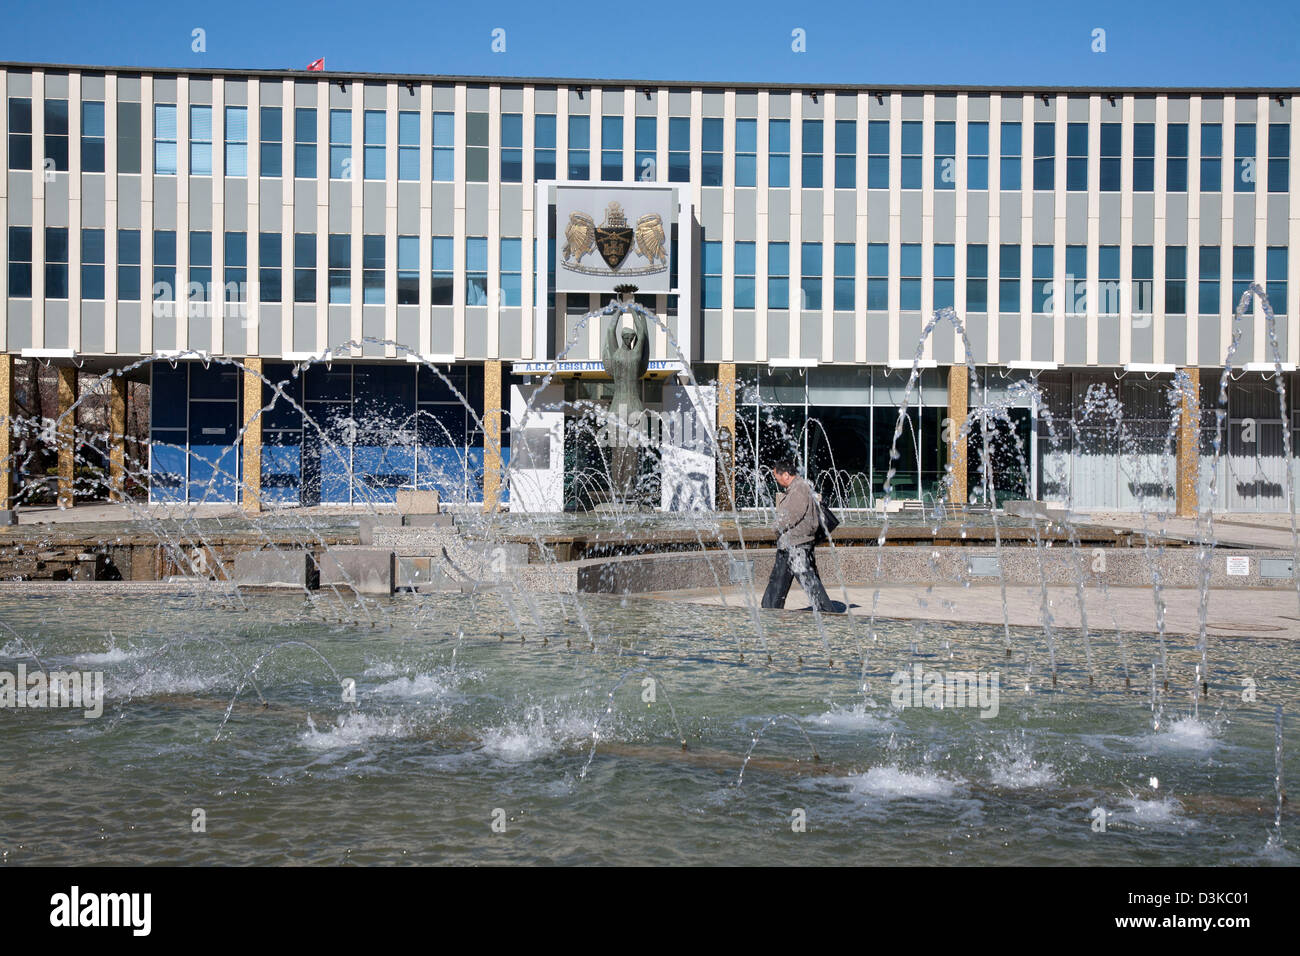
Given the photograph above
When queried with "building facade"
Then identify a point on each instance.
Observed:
(369, 229)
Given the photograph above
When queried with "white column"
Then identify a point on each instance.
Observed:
(1094, 226)
(1193, 230)
(458, 284)
(215, 298)
(995, 226)
(390, 222)
(728, 224)
(74, 211)
(1125, 229)
(110, 212)
(927, 221)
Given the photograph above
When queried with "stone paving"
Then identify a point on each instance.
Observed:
(1232, 613)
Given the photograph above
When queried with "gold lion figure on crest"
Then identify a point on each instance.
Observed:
(650, 239)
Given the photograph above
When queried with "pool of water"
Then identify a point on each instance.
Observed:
(475, 710)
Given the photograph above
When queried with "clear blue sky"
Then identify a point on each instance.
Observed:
(1159, 43)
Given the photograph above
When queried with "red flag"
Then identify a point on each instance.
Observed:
(317, 65)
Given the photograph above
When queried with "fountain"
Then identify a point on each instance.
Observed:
(323, 721)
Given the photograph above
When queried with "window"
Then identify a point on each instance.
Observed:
(1279, 163)
(408, 270)
(1143, 279)
(512, 147)
(164, 139)
(1045, 155)
(977, 278)
(1009, 278)
(1275, 261)
(20, 133)
(200, 140)
(56, 135)
(778, 153)
(444, 147)
(375, 139)
(340, 144)
(128, 137)
(1211, 159)
(164, 265)
(304, 142)
(977, 156)
(843, 293)
(910, 271)
(1041, 278)
(679, 149)
(269, 261)
(1244, 151)
(846, 154)
(476, 270)
(743, 284)
(746, 152)
(92, 263)
(579, 147)
(372, 270)
(20, 262)
(235, 278)
(1108, 279)
(911, 147)
(444, 254)
(812, 155)
(340, 269)
(878, 277)
(1076, 275)
(878, 154)
(778, 275)
(711, 275)
(200, 278)
(1111, 147)
(476, 147)
(236, 155)
(1208, 298)
(611, 148)
(945, 155)
(810, 284)
(304, 267)
(647, 140)
(1144, 157)
(1176, 158)
(408, 146)
(1176, 280)
(512, 295)
(271, 149)
(56, 262)
(944, 270)
(712, 159)
(1243, 272)
(1012, 150)
(544, 146)
(1076, 157)
(92, 136)
(128, 265)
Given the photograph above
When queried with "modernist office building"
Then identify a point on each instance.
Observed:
(1092, 241)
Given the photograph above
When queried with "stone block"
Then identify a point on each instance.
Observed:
(8, 517)
(428, 521)
(274, 569)
(365, 570)
(417, 501)
(368, 523)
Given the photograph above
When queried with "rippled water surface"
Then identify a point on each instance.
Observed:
(475, 708)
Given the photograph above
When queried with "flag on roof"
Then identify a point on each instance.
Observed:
(317, 65)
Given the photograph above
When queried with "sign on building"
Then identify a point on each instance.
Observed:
(609, 235)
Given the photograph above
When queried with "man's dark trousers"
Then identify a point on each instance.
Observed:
(785, 569)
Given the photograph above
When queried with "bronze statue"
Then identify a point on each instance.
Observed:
(626, 363)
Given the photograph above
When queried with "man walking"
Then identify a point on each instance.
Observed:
(798, 519)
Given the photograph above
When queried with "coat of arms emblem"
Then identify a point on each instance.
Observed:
(615, 239)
